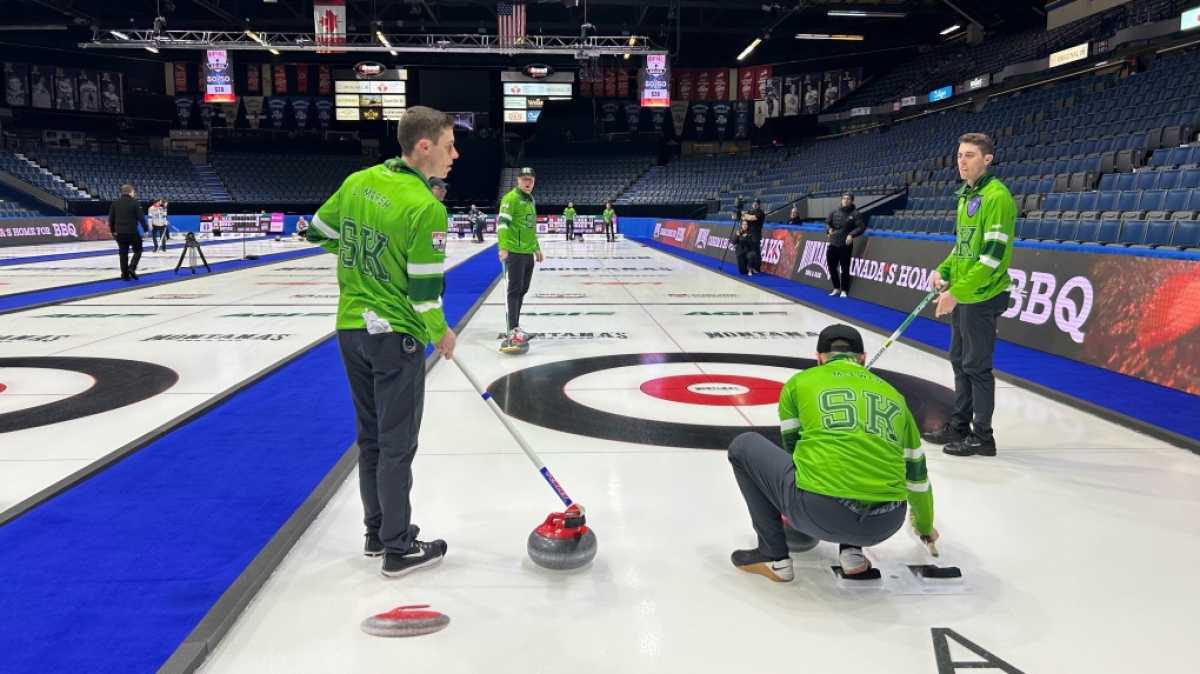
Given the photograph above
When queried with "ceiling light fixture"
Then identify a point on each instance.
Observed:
(750, 48)
(861, 14)
(951, 29)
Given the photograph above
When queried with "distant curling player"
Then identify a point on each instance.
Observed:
(610, 225)
(389, 233)
(851, 468)
(516, 227)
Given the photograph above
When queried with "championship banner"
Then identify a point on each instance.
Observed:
(1137, 315)
(721, 114)
(685, 79)
(761, 75)
(229, 113)
(254, 110)
(608, 115)
(812, 95)
(702, 86)
(302, 79)
(16, 84)
(830, 90)
(207, 113)
(622, 83)
(280, 79)
(329, 24)
(179, 75)
(760, 113)
(658, 119)
(700, 119)
(679, 110)
(324, 108)
(746, 77)
(89, 91)
(774, 97)
(720, 84)
(253, 85)
(300, 109)
(65, 229)
(610, 82)
(324, 81)
(218, 77)
(277, 110)
(633, 116)
(183, 111)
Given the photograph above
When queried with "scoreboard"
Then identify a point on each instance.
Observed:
(246, 223)
(370, 92)
(524, 95)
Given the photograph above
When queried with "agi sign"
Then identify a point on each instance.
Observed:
(1190, 19)
(1069, 55)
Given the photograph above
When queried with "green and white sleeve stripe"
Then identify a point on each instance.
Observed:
(325, 228)
(920, 492)
(424, 268)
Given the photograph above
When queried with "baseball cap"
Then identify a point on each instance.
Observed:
(438, 182)
(527, 171)
(836, 332)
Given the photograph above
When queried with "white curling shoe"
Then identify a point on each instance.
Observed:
(853, 560)
(834, 292)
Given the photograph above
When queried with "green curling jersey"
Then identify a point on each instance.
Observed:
(608, 215)
(389, 233)
(569, 214)
(516, 226)
(977, 268)
(853, 437)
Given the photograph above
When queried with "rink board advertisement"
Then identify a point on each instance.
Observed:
(546, 224)
(242, 222)
(35, 231)
(1136, 315)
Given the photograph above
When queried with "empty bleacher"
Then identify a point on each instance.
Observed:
(587, 180)
(283, 178)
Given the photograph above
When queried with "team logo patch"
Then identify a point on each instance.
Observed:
(439, 242)
(973, 206)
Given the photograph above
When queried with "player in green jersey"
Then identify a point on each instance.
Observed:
(389, 233)
(609, 216)
(851, 468)
(974, 282)
(569, 219)
(516, 228)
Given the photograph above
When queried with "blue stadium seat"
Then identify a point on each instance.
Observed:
(1159, 232)
(1177, 200)
(1069, 202)
(1066, 230)
(1110, 228)
(1168, 180)
(1125, 181)
(1107, 181)
(1145, 181)
(1087, 201)
(1127, 200)
(1046, 229)
(1053, 202)
(1152, 200)
(1106, 201)
(1087, 230)
(1026, 228)
(1187, 234)
(1190, 178)
(1133, 232)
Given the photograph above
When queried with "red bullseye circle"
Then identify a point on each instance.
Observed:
(714, 389)
(2, 387)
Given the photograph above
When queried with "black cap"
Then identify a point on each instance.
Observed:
(527, 171)
(837, 332)
(438, 182)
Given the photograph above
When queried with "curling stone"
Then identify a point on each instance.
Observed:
(405, 621)
(563, 541)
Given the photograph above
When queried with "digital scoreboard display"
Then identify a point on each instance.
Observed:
(525, 94)
(370, 93)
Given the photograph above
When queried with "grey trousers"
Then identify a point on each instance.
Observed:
(767, 477)
(387, 383)
(972, 343)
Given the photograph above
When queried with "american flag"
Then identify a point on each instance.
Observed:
(511, 19)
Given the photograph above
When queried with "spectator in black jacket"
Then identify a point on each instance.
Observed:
(843, 226)
(743, 247)
(755, 217)
(794, 217)
(124, 217)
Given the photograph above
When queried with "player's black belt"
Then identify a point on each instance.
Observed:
(872, 510)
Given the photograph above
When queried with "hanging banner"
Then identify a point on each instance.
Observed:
(609, 110)
(658, 118)
(179, 72)
(700, 119)
(302, 79)
(254, 110)
(830, 90)
(207, 113)
(112, 93)
(253, 85)
(229, 113)
(40, 87)
(850, 81)
(656, 82)
(279, 85)
(774, 97)
(65, 80)
(633, 116)
(585, 84)
(791, 96)
(679, 110)
(720, 84)
(277, 110)
(329, 24)
(761, 75)
(702, 86)
(741, 120)
(89, 91)
(722, 111)
(760, 113)
(218, 77)
(746, 84)
(183, 111)
(300, 110)
(812, 95)
(16, 84)
(610, 82)
(324, 108)
(622, 83)
(324, 81)
(685, 90)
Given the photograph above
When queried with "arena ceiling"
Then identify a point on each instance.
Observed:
(697, 32)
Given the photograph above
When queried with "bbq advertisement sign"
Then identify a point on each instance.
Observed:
(1137, 315)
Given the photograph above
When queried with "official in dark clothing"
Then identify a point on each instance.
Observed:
(794, 217)
(843, 225)
(478, 221)
(755, 217)
(124, 217)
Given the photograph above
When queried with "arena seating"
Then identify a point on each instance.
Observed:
(695, 180)
(15, 205)
(283, 178)
(101, 174)
(22, 170)
(591, 180)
